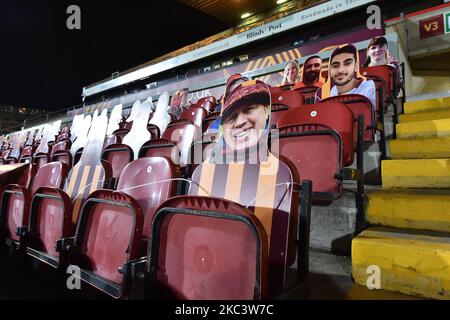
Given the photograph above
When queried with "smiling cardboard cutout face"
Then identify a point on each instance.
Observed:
(244, 124)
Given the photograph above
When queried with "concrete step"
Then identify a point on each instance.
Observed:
(425, 116)
(423, 129)
(420, 148)
(426, 105)
(410, 209)
(409, 262)
(416, 173)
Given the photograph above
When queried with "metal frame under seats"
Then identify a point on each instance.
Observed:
(316, 152)
(16, 200)
(61, 152)
(339, 117)
(150, 181)
(118, 155)
(194, 114)
(308, 93)
(209, 119)
(107, 236)
(54, 212)
(26, 156)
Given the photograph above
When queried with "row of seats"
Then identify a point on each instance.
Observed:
(152, 228)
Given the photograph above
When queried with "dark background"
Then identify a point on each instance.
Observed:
(45, 65)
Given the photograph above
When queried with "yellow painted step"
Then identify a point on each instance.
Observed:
(410, 209)
(409, 263)
(426, 105)
(423, 129)
(424, 148)
(424, 116)
(417, 173)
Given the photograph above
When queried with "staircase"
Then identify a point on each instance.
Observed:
(409, 237)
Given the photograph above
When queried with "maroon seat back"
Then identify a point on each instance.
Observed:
(27, 154)
(359, 105)
(194, 114)
(118, 155)
(384, 72)
(334, 115)
(154, 130)
(182, 133)
(108, 236)
(112, 139)
(147, 180)
(308, 93)
(316, 152)
(290, 99)
(203, 257)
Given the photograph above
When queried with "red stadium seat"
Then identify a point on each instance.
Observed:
(194, 114)
(290, 99)
(316, 151)
(118, 155)
(196, 255)
(16, 199)
(61, 152)
(331, 114)
(175, 142)
(26, 155)
(111, 139)
(126, 214)
(308, 93)
(106, 237)
(359, 105)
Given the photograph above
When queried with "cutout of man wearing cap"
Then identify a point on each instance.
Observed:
(244, 124)
(311, 74)
(232, 82)
(344, 72)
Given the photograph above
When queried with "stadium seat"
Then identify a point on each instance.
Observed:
(194, 114)
(328, 116)
(118, 155)
(359, 105)
(61, 152)
(26, 155)
(174, 143)
(290, 99)
(207, 248)
(308, 93)
(334, 115)
(16, 199)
